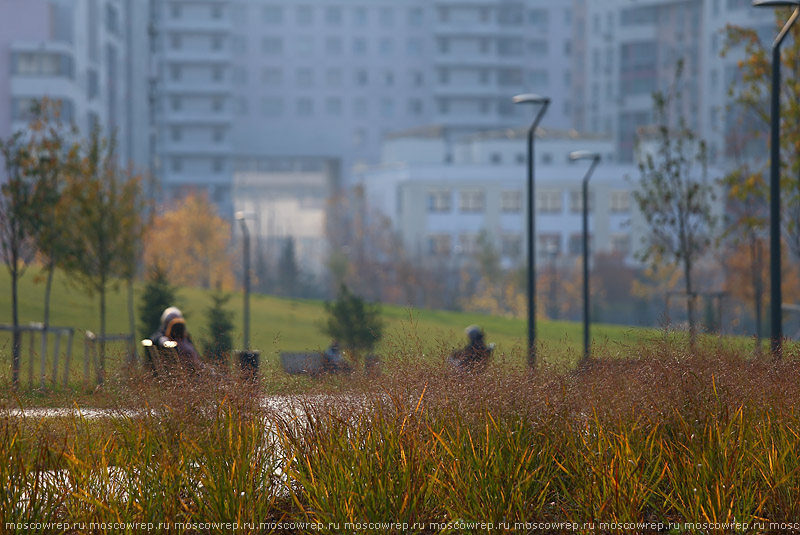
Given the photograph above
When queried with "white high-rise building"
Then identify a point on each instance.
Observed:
(242, 81)
(627, 50)
(85, 54)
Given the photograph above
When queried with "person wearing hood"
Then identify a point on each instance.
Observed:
(474, 357)
(172, 334)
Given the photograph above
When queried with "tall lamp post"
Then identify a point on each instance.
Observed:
(595, 158)
(776, 327)
(241, 217)
(542, 103)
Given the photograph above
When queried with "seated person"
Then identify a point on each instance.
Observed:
(474, 357)
(333, 360)
(172, 334)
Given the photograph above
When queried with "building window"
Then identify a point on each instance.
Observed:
(414, 47)
(175, 41)
(496, 158)
(521, 158)
(177, 133)
(272, 77)
(272, 45)
(511, 245)
(472, 200)
(175, 72)
(439, 201)
(216, 74)
(176, 103)
(216, 104)
(575, 244)
(175, 11)
(41, 64)
(386, 46)
(548, 201)
(388, 79)
(550, 244)
(305, 45)
(272, 15)
(387, 17)
(468, 244)
(620, 202)
(360, 16)
(576, 201)
(418, 79)
(333, 106)
(360, 107)
(305, 107)
(177, 165)
(440, 244)
(333, 15)
(415, 16)
(359, 46)
(362, 77)
(333, 45)
(216, 43)
(217, 165)
(218, 135)
(333, 77)
(305, 15)
(547, 158)
(305, 78)
(511, 202)
(415, 106)
(387, 107)
(216, 12)
(272, 107)
(621, 243)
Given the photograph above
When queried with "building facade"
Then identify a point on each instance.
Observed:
(440, 209)
(331, 78)
(89, 55)
(627, 50)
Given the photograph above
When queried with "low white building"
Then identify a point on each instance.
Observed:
(440, 204)
(289, 198)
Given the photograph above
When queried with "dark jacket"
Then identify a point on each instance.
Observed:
(173, 329)
(474, 357)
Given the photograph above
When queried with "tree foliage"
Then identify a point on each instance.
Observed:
(191, 242)
(158, 295)
(357, 325)
(220, 327)
(673, 193)
(104, 218)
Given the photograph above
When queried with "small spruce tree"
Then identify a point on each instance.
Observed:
(220, 326)
(158, 295)
(355, 324)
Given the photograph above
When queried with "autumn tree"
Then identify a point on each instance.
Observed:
(17, 207)
(673, 193)
(751, 95)
(191, 243)
(104, 219)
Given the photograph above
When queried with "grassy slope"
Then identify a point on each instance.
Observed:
(292, 325)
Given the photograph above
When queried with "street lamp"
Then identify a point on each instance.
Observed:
(595, 158)
(776, 327)
(241, 218)
(542, 102)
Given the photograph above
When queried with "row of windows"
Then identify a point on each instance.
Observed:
(547, 201)
(334, 46)
(23, 108)
(214, 165)
(333, 77)
(511, 245)
(307, 15)
(307, 106)
(42, 64)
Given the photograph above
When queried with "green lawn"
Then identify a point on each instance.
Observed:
(294, 325)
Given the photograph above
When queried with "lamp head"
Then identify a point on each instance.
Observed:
(776, 3)
(584, 155)
(532, 98)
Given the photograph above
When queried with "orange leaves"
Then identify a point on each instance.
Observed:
(192, 244)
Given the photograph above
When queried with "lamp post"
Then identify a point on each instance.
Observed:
(776, 327)
(595, 158)
(241, 218)
(542, 102)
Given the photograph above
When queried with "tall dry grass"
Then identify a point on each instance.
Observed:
(669, 434)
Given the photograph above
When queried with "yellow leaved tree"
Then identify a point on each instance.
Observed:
(191, 243)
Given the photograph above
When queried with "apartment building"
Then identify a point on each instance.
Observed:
(80, 53)
(440, 208)
(331, 78)
(627, 50)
